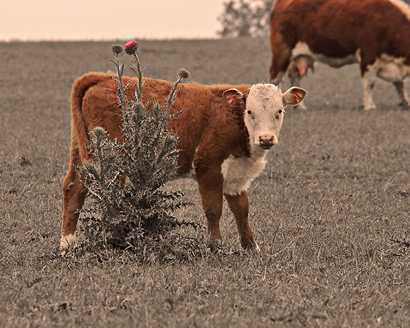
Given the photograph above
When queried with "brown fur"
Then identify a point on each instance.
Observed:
(209, 128)
(337, 29)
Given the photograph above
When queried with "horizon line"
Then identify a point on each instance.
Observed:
(10, 40)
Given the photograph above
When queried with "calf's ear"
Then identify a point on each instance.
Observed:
(294, 96)
(233, 97)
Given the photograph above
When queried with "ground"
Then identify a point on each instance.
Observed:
(331, 212)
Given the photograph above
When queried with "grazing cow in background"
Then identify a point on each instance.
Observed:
(224, 133)
(373, 33)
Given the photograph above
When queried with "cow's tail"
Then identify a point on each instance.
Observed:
(79, 132)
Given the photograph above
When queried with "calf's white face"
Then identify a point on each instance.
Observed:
(265, 108)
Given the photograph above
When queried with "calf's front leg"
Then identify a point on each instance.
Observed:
(239, 206)
(210, 187)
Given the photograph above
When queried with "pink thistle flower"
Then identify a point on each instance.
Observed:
(131, 47)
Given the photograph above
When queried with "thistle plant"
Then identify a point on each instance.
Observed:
(126, 178)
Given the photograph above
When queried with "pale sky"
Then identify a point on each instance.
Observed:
(101, 19)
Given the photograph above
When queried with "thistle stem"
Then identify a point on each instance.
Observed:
(140, 76)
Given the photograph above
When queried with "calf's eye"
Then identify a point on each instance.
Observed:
(280, 111)
(249, 112)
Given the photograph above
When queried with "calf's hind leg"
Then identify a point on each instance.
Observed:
(73, 201)
(239, 206)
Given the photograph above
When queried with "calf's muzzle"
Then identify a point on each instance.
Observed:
(267, 142)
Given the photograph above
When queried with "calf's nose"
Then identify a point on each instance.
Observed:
(267, 142)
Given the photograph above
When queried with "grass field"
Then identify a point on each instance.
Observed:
(331, 212)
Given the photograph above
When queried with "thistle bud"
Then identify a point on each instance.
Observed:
(116, 49)
(183, 74)
(99, 132)
(131, 47)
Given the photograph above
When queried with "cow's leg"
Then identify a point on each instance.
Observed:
(368, 85)
(394, 73)
(239, 206)
(277, 78)
(210, 187)
(74, 195)
(404, 98)
(366, 60)
(281, 54)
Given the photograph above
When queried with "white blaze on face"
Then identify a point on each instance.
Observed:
(264, 114)
(263, 119)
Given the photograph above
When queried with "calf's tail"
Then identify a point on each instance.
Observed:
(79, 132)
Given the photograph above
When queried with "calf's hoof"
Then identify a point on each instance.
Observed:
(215, 245)
(67, 242)
(250, 245)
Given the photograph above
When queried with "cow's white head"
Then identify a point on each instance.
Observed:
(264, 111)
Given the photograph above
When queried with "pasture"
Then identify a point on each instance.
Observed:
(331, 212)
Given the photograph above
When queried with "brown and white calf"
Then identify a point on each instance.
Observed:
(224, 133)
(373, 33)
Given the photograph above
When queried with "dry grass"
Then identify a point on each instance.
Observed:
(334, 197)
